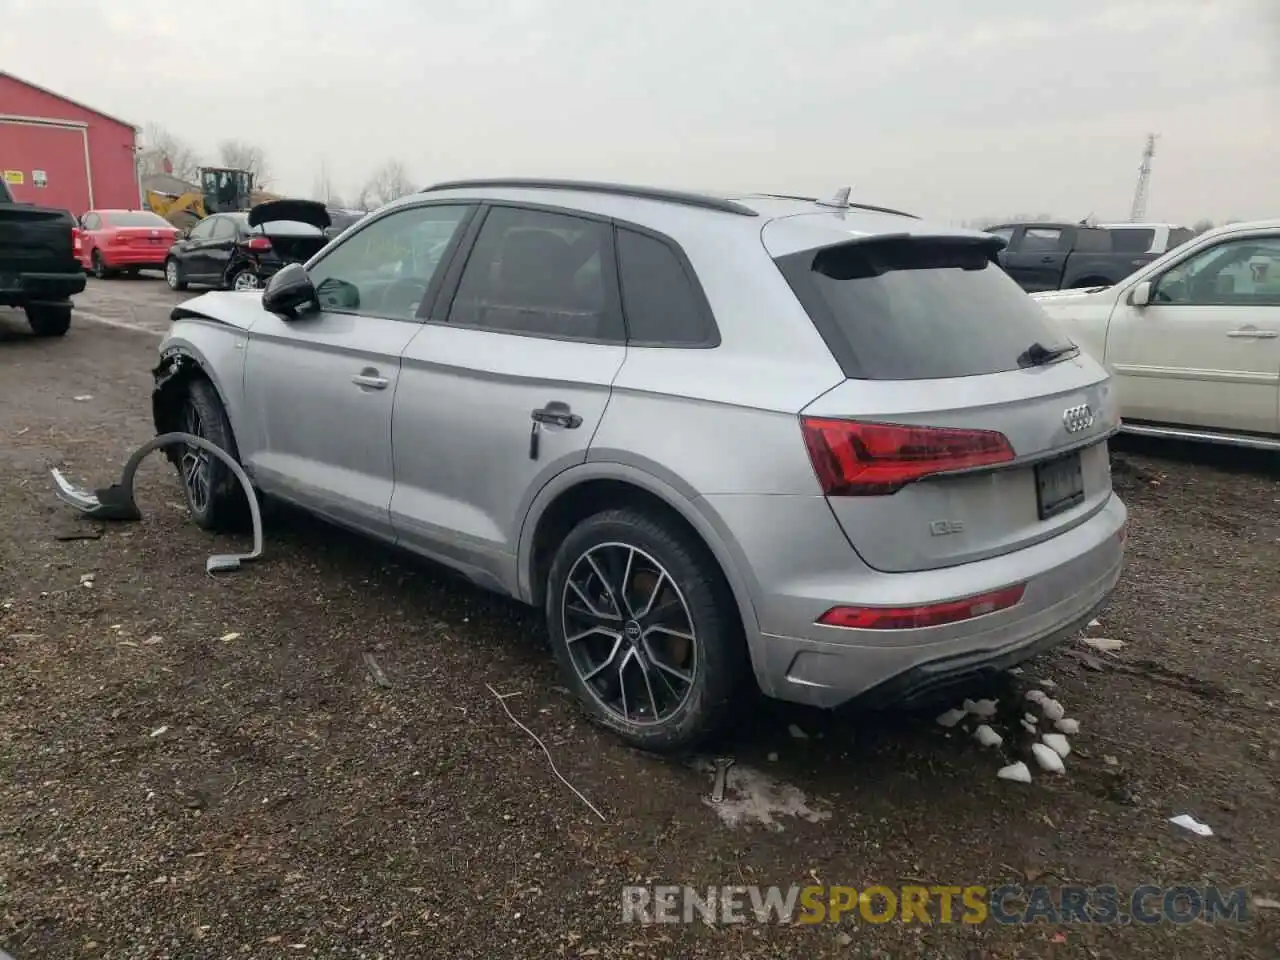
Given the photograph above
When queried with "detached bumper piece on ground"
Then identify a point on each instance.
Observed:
(116, 502)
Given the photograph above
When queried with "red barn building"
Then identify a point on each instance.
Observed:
(59, 153)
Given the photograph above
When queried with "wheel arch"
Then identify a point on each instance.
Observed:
(180, 363)
(583, 490)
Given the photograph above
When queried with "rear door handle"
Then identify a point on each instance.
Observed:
(1252, 333)
(369, 380)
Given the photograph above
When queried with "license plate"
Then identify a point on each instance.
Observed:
(1059, 485)
(155, 240)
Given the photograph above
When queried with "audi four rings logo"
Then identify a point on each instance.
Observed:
(1078, 418)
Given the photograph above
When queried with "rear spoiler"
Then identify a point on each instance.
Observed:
(880, 253)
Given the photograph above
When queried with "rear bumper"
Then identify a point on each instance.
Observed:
(23, 288)
(1068, 578)
(134, 257)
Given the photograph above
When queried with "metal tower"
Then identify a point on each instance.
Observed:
(1139, 210)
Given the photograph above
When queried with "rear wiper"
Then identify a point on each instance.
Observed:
(1037, 355)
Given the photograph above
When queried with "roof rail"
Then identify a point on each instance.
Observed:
(702, 200)
(849, 204)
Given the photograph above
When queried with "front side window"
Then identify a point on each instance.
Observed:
(539, 274)
(223, 229)
(385, 269)
(1239, 273)
(1041, 239)
(202, 230)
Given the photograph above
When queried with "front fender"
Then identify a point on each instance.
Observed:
(215, 350)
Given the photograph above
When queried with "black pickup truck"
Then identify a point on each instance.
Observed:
(1063, 256)
(39, 271)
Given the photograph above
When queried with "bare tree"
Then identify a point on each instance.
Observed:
(241, 155)
(159, 146)
(323, 191)
(389, 182)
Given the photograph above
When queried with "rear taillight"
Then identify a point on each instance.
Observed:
(75, 239)
(927, 615)
(856, 459)
(258, 244)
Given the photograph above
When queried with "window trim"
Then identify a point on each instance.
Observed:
(439, 315)
(470, 208)
(1196, 254)
(699, 294)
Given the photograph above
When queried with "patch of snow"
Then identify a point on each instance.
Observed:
(753, 797)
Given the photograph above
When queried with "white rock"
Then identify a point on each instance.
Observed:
(1014, 671)
(1105, 644)
(1016, 772)
(1053, 710)
(1188, 822)
(1037, 696)
(983, 709)
(1047, 758)
(1095, 623)
(951, 718)
(773, 758)
(987, 737)
(1030, 718)
(797, 733)
(1028, 726)
(1048, 684)
(1067, 725)
(1057, 743)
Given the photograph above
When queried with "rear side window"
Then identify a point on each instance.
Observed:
(540, 274)
(1180, 235)
(1093, 240)
(661, 300)
(1132, 239)
(907, 309)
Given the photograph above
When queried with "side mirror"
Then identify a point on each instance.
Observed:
(290, 291)
(1141, 295)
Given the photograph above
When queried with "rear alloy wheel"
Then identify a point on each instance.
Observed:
(214, 496)
(645, 630)
(173, 275)
(49, 319)
(99, 266)
(246, 280)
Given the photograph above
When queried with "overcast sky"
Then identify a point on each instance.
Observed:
(951, 108)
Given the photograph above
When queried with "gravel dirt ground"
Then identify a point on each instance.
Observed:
(194, 767)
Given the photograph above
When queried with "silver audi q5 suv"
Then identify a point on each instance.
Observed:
(823, 448)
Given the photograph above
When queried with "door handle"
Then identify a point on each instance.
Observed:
(1046, 259)
(370, 381)
(1252, 333)
(557, 415)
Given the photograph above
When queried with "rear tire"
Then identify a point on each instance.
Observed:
(213, 494)
(173, 275)
(675, 625)
(245, 279)
(49, 319)
(99, 266)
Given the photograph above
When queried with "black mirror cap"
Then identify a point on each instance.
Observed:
(290, 291)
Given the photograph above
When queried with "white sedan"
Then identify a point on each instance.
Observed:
(1192, 339)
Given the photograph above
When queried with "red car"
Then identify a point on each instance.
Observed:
(129, 240)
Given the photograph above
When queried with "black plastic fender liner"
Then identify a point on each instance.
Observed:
(117, 502)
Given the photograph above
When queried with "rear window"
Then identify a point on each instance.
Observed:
(137, 218)
(907, 309)
(1131, 239)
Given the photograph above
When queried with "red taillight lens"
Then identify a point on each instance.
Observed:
(75, 238)
(856, 459)
(258, 244)
(928, 615)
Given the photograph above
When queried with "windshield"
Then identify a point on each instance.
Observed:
(918, 309)
(136, 218)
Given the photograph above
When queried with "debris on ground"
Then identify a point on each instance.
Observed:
(1188, 822)
(797, 733)
(987, 737)
(951, 717)
(1067, 725)
(1017, 772)
(1104, 644)
(375, 671)
(1057, 743)
(1047, 758)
